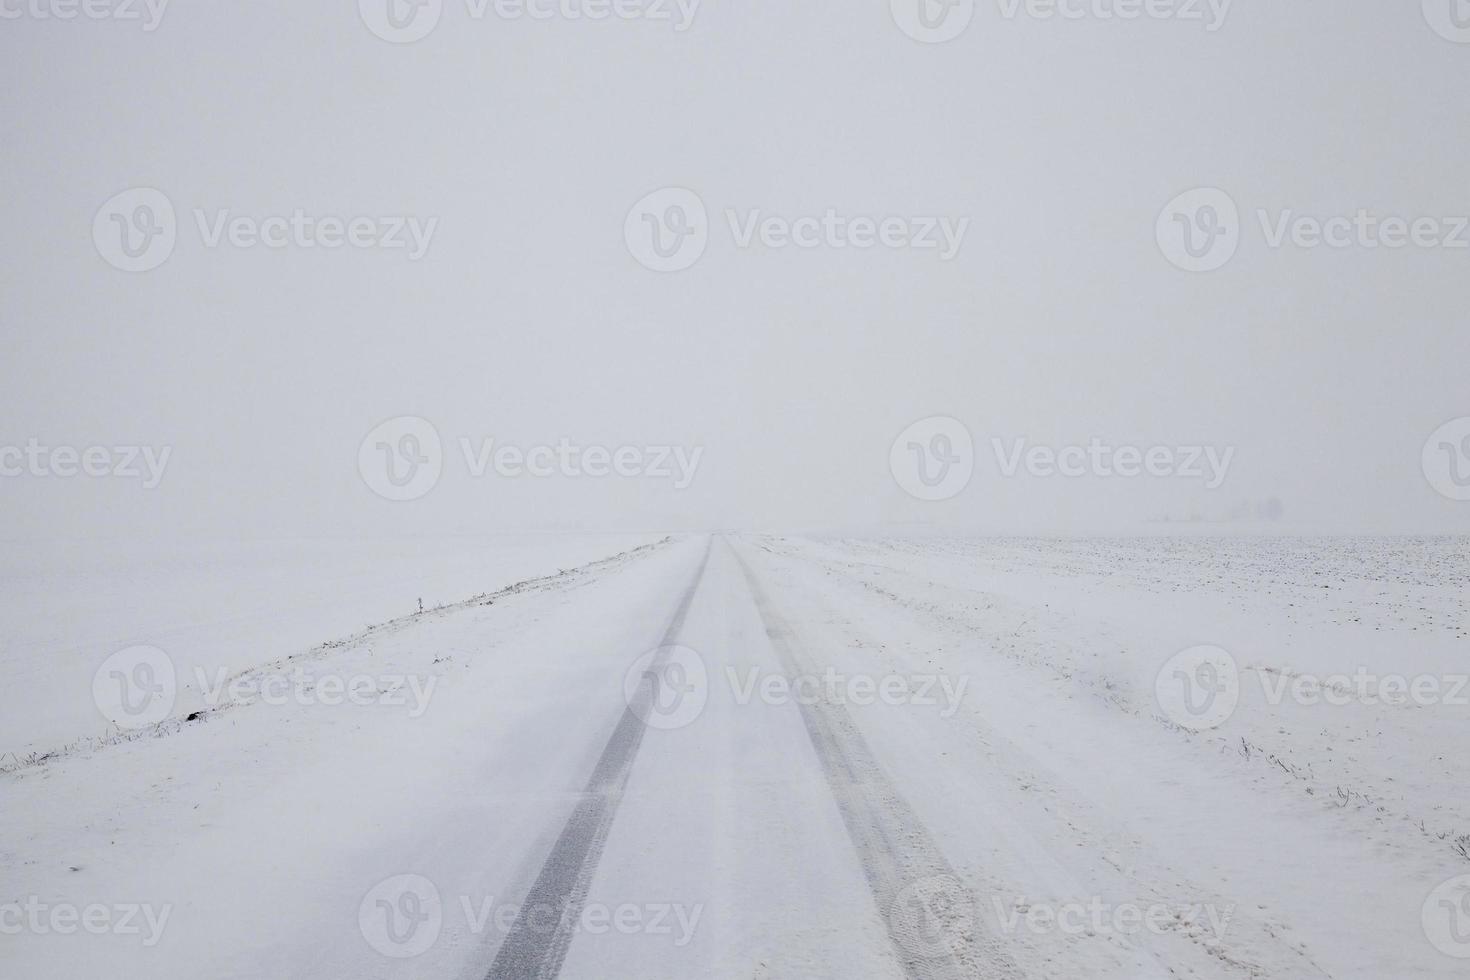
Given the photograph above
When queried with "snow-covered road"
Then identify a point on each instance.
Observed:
(755, 757)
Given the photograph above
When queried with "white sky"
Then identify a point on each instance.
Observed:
(529, 320)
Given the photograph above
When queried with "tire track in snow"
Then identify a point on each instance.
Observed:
(931, 917)
(534, 949)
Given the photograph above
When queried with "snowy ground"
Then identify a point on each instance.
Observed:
(776, 757)
(66, 606)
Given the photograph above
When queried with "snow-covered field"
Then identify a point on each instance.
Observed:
(764, 757)
(1322, 827)
(66, 606)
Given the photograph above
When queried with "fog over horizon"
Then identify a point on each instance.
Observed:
(777, 379)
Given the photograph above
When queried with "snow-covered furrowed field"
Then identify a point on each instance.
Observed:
(750, 756)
